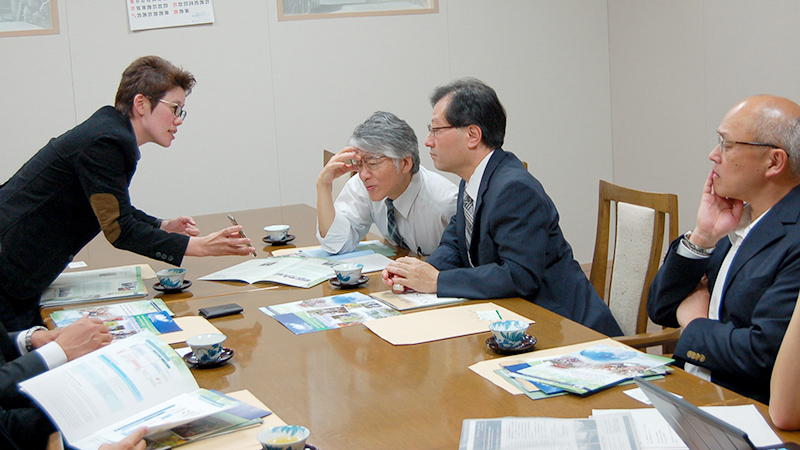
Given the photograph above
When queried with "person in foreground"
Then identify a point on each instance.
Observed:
(732, 282)
(784, 403)
(77, 185)
(504, 240)
(410, 205)
(27, 354)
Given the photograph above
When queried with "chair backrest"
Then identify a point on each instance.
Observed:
(638, 240)
(338, 184)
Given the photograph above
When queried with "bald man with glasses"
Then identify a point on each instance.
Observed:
(732, 282)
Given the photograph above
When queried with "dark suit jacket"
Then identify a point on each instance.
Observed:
(517, 248)
(22, 424)
(758, 300)
(56, 203)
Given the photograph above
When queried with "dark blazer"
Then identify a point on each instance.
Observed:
(758, 300)
(517, 248)
(60, 199)
(22, 424)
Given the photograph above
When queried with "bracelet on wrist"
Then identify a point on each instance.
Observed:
(694, 248)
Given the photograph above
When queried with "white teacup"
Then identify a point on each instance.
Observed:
(277, 233)
(171, 278)
(348, 273)
(207, 348)
(287, 437)
(509, 333)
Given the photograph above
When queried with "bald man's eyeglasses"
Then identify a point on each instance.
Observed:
(726, 144)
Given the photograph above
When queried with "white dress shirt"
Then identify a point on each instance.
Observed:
(422, 212)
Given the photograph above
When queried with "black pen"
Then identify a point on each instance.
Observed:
(241, 232)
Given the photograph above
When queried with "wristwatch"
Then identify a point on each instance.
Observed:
(701, 251)
(29, 334)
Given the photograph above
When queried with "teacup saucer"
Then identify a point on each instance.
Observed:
(159, 287)
(527, 345)
(289, 238)
(191, 360)
(338, 284)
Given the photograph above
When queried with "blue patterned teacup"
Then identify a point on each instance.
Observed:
(171, 278)
(207, 348)
(287, 437)
(509, 333)
(277, 233)
(348, 273)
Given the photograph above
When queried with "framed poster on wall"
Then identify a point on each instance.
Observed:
(28, 17)
(322, 9)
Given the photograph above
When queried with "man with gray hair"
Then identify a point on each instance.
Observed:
(409, 204)
(732, 282)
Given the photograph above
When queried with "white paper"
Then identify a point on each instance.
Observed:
(612, 432)
(654, 432)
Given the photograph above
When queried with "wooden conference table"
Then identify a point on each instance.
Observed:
(351, 388)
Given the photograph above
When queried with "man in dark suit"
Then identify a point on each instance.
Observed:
(504, 240)
(732, 282)
(29, 353)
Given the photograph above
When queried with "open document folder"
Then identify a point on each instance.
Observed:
(139, 381)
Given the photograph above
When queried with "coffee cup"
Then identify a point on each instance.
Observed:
(509, 333)
(287, 437)
(207, 348)
(171, 278)
(277, 233)
(348, 273)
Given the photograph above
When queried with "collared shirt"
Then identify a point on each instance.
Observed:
(473, 185)
(736, 237)
(422, 212)
(51, 353)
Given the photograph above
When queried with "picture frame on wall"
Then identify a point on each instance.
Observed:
(324, 9)
(28, 17)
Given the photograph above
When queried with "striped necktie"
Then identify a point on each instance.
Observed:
(469, 211)
(393, 233)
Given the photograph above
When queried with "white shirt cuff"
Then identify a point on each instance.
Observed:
(52, 354)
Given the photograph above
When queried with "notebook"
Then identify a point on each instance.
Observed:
(698, 429)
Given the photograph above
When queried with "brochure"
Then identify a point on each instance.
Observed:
(94, 285)
(139, 381)
(328, 313)
(292, 270)
(591, 369)
(414, 300)
(124, 319)
(606, 432)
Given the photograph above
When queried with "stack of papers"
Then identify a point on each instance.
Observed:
(373, 255)
(94, 285)
(587, 370)
(414, 300)
(328, 313)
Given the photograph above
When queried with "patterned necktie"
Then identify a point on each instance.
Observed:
(469, 211)
(393, 233)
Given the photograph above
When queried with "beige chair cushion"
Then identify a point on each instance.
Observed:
(633, 240)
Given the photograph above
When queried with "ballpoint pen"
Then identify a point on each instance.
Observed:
(241, 232)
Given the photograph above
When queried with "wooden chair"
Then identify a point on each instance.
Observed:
(638, 240)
